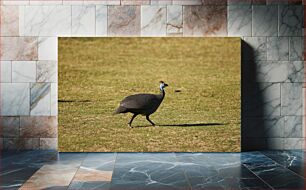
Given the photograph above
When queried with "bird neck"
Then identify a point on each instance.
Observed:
(162, 92)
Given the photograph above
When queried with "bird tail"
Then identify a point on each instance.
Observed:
(119, 110)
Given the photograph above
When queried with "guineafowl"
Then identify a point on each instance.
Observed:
(144, 104)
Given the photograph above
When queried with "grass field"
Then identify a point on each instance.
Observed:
(95, 74)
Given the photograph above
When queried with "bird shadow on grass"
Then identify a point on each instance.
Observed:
(192, 124)
(184, 125)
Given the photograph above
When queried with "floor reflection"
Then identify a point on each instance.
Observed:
(160, 171)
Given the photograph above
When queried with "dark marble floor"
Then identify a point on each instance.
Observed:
(50, 170)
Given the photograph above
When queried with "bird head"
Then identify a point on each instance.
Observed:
(162, 85)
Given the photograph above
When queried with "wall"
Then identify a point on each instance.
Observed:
(272, 66)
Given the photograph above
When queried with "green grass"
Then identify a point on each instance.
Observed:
(95, 74)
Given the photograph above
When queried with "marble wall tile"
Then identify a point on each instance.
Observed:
(174, 20)
(9, 21)
(295, 2)
(15, 99)
(47, 48)
(263, 99)
(38, 126)
(54, 99)
(279, 71)
(294, 127)
(296, 48)
(101, 20)
(102, 2)
(295, 71)
(292, 99)
(1, 127)
(257, 49)
(15, 2)
(46, 71)
(6, 71)
(10, 143)
(40, 99)
(290, 20)
(28, 143)
(73, 2)
(278, 48)
(259, 2)
(123, 20)
(46, 2)
(265, 20)
(21, 20)
(83, 20)
(135, 2)
(239, 21)
(214, 2)
(9, 127)
(161, 2)
(304, 110)
(274, 127)
(153, 20)
(205, 20)
(275, 143)
(257, 127)
(47, 20)
(294, 143)
(23, 71)
(48, 143)
(189, 2)
(239, 2)
(282, 2)
(1, 144)
(18, 48)
(277, 2)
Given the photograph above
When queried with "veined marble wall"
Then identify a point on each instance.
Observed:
(272, 60)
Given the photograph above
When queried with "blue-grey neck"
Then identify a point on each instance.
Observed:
(162, 91)
(161, 87)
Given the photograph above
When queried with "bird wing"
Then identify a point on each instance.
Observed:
(140, 101)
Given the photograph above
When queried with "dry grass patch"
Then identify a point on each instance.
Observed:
(95, 74)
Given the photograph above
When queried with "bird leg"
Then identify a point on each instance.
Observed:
(147, 117)
(130, 123)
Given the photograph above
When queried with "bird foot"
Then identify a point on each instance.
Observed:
(130, 126)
